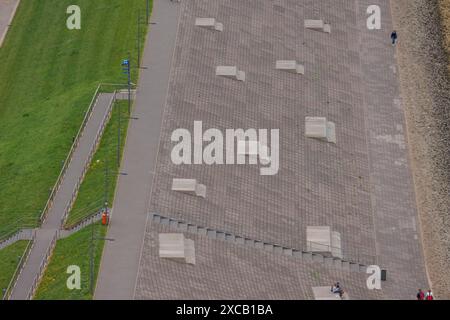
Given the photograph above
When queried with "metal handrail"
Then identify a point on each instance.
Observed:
(72, 149)
(75, 216)
(14, 237)
(19, 267)
(134, 86)
(88, 160)
(99, 134)
(42, 267)
(85, 221)
(15, 228)
(69, 156)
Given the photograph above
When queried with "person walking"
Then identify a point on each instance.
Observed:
(429, 295)
(420, 295)
(394, 37)
(336, 288)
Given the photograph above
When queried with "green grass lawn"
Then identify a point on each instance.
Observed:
(48, 75)
(73, 250)
(92, 191)
(9, 259)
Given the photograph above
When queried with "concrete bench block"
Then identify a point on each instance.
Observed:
(321, 239)
(314, 24)
(176, 247)
(331, 132)
(189, 186)
(190, 251)
(231, 72)
(209, 23)
(200, 190)
(219, 26)
(324, 293)
(316, 127)
(290, 66)
(318, 25)
(320, 128)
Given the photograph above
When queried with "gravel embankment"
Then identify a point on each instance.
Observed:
(425, 86)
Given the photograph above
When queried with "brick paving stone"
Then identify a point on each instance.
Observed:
(361, 186)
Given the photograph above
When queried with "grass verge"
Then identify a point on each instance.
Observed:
(73, 250)
(98, 182)
(48, 76)
(9, 260)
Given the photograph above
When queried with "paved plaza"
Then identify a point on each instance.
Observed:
(224, 271)
(361, 186)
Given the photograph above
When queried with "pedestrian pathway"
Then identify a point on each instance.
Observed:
(46, 233)
(120, 261)
(23, 234)
(7, 12)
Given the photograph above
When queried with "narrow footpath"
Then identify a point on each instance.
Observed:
(52, 223)
(120, 261)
